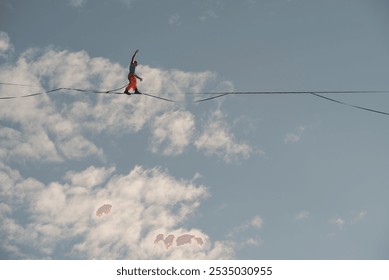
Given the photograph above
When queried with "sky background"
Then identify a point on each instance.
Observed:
(256, 177)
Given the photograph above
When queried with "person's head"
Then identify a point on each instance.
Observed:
(136, 63)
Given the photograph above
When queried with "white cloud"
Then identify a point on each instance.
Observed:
(302, 215)
(36, 127)
(338, 221)
(174, 129)
(351, 220)
(174, 81)
(245, 234)
(252, 242)
(294, 137)
(90, 177)
(217, 139)
(144, 202)
(256, 222)
(128, 3)
(27, 146)
(78, 147)
(208, 14)
(56, 131)
(175, 20)
(5, 44)
(77, 3)
(291, 138)
(358, 217)
(15, 188)
(56, 218)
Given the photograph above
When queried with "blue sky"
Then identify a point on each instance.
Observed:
(256, 177)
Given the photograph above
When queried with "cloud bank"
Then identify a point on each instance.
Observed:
(59, 218)
(65, 121)
(55, 171)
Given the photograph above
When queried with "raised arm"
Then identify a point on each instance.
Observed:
(133, 57)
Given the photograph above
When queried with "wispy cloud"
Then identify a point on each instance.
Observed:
(128, 3)
(338, 221)
(217, 139)
(175, 20)
(78, 3)
(346, 222)
(5, 45)
(246, 233)
(352, 219)
(302, 215)
(252, 242)
(208, 14)
(256, 222)
(294, 137)
(359, 217)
